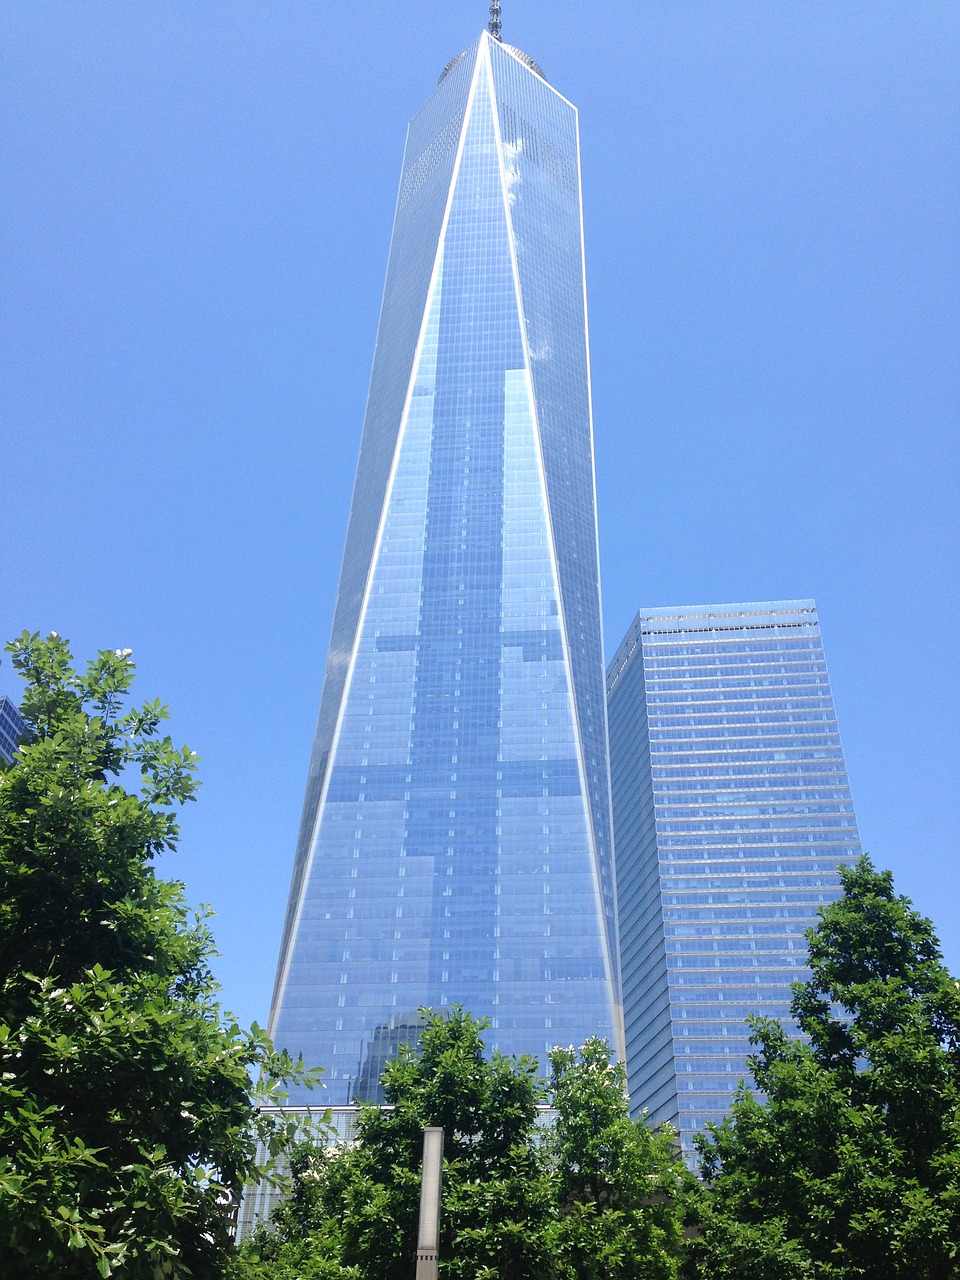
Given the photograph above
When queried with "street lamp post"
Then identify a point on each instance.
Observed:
(428, 1237)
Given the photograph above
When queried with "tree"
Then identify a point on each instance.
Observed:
(357, 1208)
(595, 1197)
(127, 1126)
(617, 1183)
(850, 1164)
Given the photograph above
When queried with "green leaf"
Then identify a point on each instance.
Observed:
(115, 1051)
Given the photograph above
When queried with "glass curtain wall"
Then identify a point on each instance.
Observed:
(732, 813)
(456, 843)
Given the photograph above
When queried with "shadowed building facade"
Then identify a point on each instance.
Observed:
(456, 839)
(732, 813)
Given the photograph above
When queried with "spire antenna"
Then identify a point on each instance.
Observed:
(493, 26)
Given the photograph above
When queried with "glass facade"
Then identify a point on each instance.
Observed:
(12, 727)
(456, 840)
(732, 812)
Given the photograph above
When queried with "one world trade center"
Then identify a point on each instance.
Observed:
(456, 843)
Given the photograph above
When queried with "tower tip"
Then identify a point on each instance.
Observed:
(493, 26)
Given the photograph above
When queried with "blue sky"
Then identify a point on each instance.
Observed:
(195, 218)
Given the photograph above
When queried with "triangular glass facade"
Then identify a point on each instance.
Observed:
(456, 837)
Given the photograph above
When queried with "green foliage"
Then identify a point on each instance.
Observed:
(594, 1198)
(359, 1205)
(850, 1167)
(617, 1182)
(127, 1127)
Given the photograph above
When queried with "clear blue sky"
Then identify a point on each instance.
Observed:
(196, 209)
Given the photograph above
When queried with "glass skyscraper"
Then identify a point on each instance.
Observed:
(456, 839)
(732, 813)
(12, 727)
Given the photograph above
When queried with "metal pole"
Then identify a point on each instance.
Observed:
(428, 1240)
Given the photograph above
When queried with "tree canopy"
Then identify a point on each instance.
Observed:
(128, 1123)
(127, 1126)
(849, 1166)
(593, 1196)
(617, 1184)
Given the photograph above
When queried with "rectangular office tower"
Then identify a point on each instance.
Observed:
(732, 813)
(456, 841)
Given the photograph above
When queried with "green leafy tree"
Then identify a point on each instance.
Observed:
(594, 1197)
(356, 1208)
(617, 1183)
(850, 1164)
(127, 1126)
